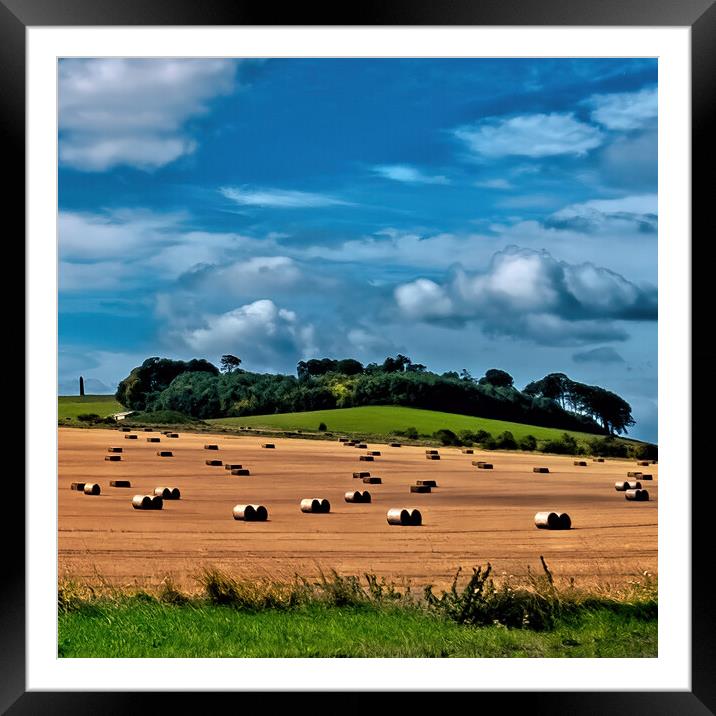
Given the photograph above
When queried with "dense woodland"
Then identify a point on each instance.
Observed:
(200, 389)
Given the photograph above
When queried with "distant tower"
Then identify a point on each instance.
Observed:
(82, 386)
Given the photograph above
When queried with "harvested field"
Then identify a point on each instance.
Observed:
(470, 520)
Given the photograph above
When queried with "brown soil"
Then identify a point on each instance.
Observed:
(472, 517)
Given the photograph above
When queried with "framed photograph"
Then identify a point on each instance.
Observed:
(359, 352)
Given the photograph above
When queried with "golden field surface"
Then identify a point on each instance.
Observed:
(472, 517)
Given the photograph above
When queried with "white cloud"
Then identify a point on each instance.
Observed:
(535, 135)
(531, 294)
(279, 198)
(501, 184)
(134, 111)
(626, 110)
(408, 174)
(261, 332)
(618, 215)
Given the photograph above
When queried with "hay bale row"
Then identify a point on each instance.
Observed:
(147, 502)
(643, 463)
(373, 480)
(232, 466)
(467, 451)
(112, 458)
(637, 495)
(211, 447)
(214, 463)
(130, 437)
(168, 493)
(268, 446)
(421, 488)
(633, 473)
(114, 449)
(250, 513)
(540, 469)
(553, 521)
(374, 452)
(92, 488)
(597, 459)
(154, 440)
(432, 457)
(361, 474)
(357, 496)
(396, 445)
(78, 486)
(429, 483)
(485, 466)
(120, 483)
(361, 446)
(165, 453)
(431, 452)
(316, 505)
(404, 516)
(624, 486)
(366, 458)
(580, 463)
(172, 435)
(240, 471)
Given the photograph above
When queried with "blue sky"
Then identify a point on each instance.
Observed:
(472, 213)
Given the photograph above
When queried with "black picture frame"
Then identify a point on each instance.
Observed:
(699, 15)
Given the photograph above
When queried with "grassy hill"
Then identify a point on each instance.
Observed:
(386, 419)
(70, 406)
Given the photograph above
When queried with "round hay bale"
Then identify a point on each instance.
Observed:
(540, 469)
(148, 430)
(114, 449)
(120, 483)
(432, 457)
(646, 477)
(373, 480)
(240, 471)
(477, 463)
(431, 452)
(643, 463)
(211, 447)
(142, 502)
(633, 485)
(404, 516)
(124, 429)
(421, 488)
(485, 466)
(78, 486)
(168, 493)
(315, 505)
(374, 452)
(92, 488)
(165, 453)
(597, 459)
(580, 463)
(357, 496)
(214, 463)
(342, 440)
(547, 520)
(565, 521)
(637, 495)
(232, 466)
(361, 474)
(621, 486)
(269, 446)
(396, 445)
(130, 437)
(632, 473)
(250, 513)
(365, 458)
(467, 451)
(112, 458)
(172, 435)
(157, 502)
(429, 483)
(154, 440)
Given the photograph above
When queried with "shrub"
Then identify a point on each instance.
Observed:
(608, 447)
(447, 437)
(160, 417)
(322, 428)
(482, 436)
(566, 445)
(528, 442)
(506, 441)
(646, 451)
(89, 417)
(411, 433)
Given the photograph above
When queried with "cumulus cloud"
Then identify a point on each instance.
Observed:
(279, 198)
(263, 333)
(605, 354)
(134, 111)
(639, 211)
(408, 174)
(535, 135)
(625, 110)
(531, 294)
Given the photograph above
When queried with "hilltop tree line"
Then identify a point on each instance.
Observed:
(199, 389)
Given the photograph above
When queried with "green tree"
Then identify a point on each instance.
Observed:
(229, 363)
